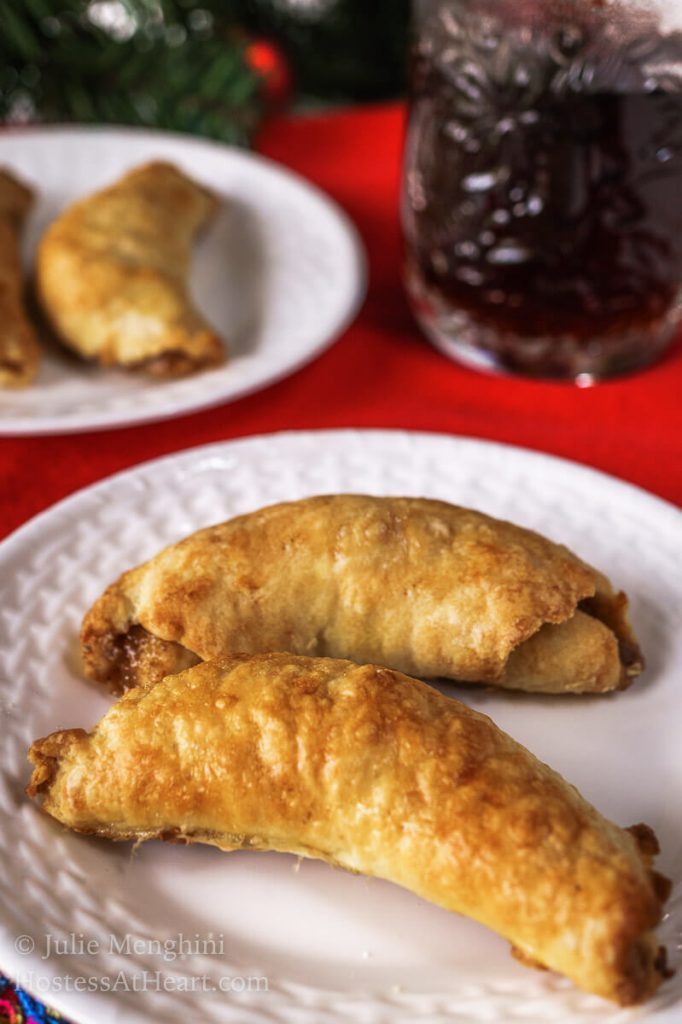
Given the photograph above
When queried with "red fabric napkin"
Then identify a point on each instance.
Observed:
(381, 373)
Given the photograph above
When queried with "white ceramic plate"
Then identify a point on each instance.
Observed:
(335, 948)
(280, 273)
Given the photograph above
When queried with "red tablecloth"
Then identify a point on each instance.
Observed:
(381, 373)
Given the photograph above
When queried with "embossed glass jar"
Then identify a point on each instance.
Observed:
(542, 199)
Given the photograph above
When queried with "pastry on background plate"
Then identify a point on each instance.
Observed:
(19, 349)
(371, 771)
(421, 586)
(112, 274)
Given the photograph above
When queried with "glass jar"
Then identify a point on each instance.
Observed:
(542, 198)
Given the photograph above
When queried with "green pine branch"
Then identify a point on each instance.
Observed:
(167, 64)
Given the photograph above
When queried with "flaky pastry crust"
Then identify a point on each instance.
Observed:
(112, 274)
(376, 773)
(19, 349)
(418, 585)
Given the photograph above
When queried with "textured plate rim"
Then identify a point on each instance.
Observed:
(356, 287)
(633, 491)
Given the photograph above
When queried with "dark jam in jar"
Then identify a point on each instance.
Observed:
(543, 185)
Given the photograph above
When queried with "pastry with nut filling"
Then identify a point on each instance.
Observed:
(421, 586)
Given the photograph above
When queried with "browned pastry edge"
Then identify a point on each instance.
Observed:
(611, 609)
(179, 364)
(15, 373)
(19, 348)
(168, 366)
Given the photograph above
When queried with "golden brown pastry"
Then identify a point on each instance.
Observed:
(374, 772)
(112, 274)
(420, 586)
(19, 350)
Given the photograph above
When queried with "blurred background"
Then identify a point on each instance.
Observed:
(211, 67)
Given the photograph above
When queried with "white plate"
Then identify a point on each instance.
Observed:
(280, 273)
(334, 947)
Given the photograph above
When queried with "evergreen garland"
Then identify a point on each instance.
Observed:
(143, 62)
(184, 65)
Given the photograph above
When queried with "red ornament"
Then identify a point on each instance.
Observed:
(271, 65)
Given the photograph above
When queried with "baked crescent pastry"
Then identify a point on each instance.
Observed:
(377, 773)
(19, 350)
(420, 586)
(112, 274)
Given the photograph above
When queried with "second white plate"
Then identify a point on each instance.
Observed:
(279, 274)
(334, 948)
